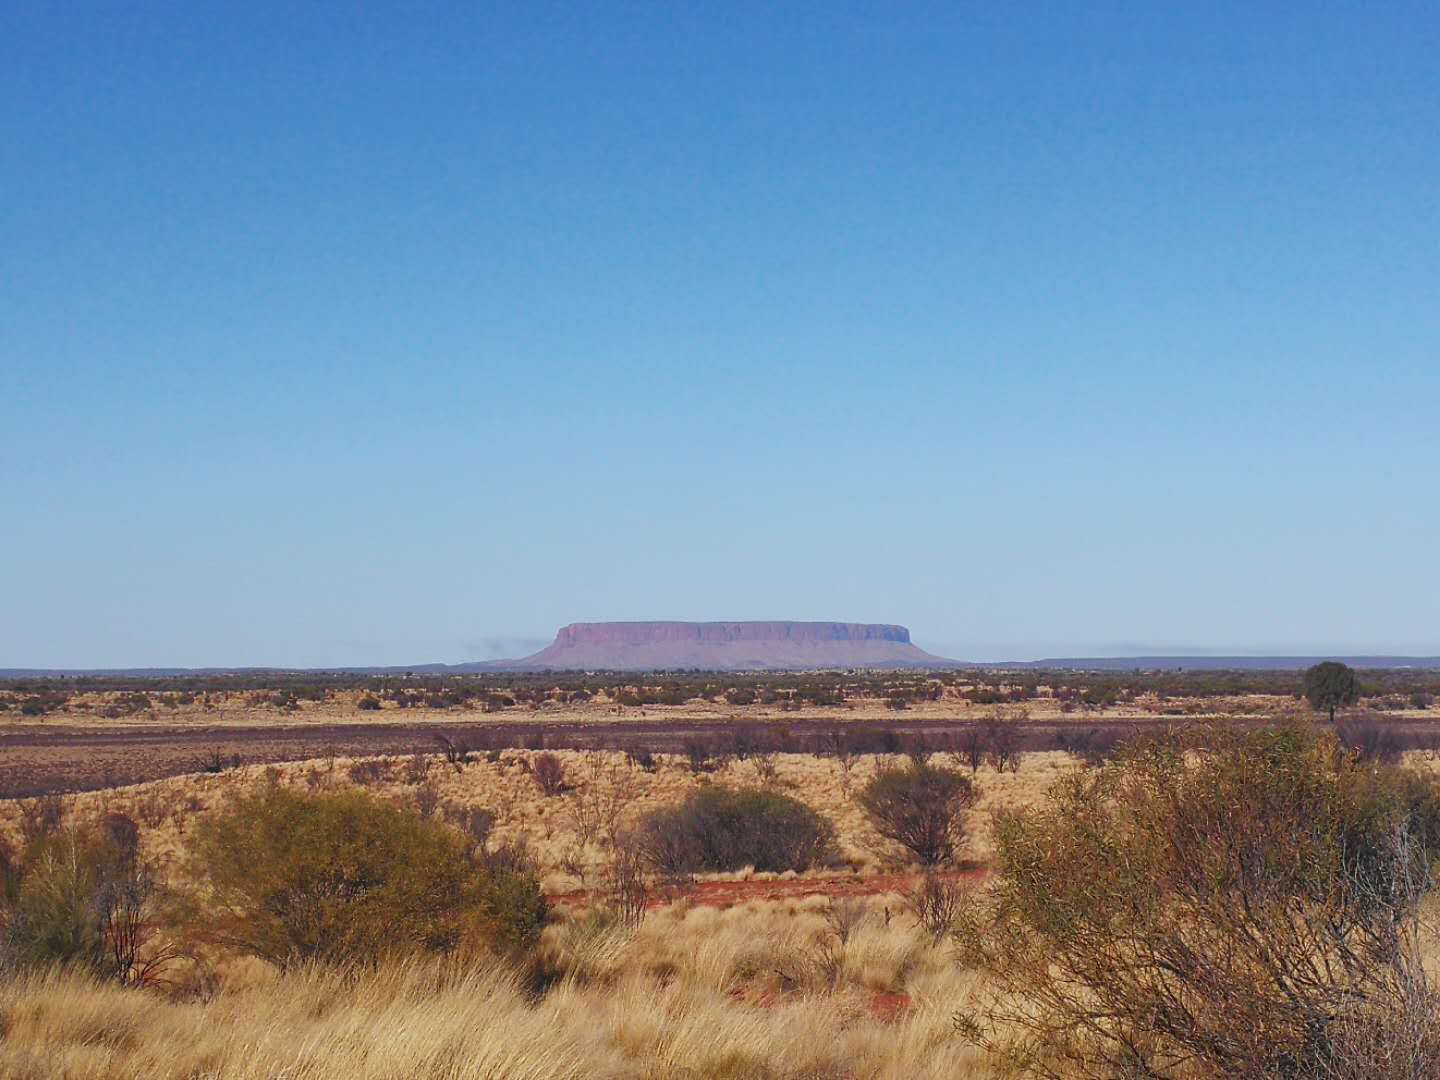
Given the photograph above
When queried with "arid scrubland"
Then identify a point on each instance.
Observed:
(851, 963)
(79, 734)
(813, 985)
(569, 831)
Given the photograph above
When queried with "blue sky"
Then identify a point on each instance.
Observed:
(388, 336)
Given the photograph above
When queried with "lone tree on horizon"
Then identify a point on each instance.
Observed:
(1330, 684)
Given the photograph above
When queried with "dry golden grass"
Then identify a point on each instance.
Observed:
(763, 990)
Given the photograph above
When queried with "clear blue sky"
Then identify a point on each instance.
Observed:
(412, 332)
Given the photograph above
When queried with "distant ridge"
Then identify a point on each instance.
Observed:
(1222, 663)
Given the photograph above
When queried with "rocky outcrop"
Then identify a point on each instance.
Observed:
(728, 646)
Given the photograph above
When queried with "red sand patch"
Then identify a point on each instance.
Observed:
(724, 894)
(888, 1006)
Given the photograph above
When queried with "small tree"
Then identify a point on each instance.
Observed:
(921, 808)
(972, 747)
(1331, 684)
(1002, 739)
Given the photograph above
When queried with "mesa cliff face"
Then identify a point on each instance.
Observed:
(728, 646)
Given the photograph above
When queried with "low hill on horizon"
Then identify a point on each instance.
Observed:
(725, 646)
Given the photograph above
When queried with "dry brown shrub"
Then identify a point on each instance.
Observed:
(629, 881)
(1244, 910)
(920, 808)
(598, 799)
(369, 771)
(549, 774)
(936, 903)
(475, 822)
(417, 768)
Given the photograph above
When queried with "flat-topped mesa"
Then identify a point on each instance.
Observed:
(729, 646)
(638, 633)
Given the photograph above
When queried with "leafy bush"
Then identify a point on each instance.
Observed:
(343, 876)
(83, 898)
(1249, 909)
(368, 703)
(719, 829)
(919, 807)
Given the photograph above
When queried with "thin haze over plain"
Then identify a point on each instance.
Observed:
(393, 335)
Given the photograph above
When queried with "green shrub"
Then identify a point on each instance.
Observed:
(83, 898)
(1244, 910)
(920, 807)
(720, 829)
(368, 703)
(343, 876)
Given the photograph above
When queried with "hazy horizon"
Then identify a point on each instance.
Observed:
(377, 338)
(518, 648)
